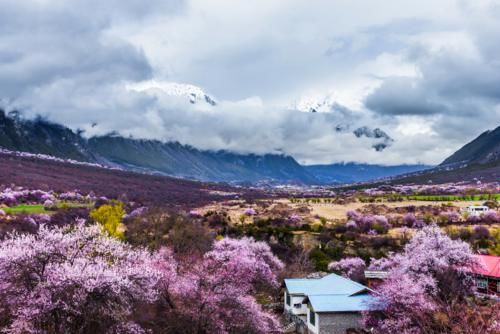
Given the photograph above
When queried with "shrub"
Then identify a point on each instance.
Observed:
(381, 224)
(69, 216)
(409, 219)
(110, 217)
(491, 217)
(319, 259)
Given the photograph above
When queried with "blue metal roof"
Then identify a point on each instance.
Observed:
(331, 284)
(341, 303)
(332, 293)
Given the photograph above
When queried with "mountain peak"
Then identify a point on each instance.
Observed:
(314, 103)
(193, 93)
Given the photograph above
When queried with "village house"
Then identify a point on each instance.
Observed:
(488, 276)
(328, 305)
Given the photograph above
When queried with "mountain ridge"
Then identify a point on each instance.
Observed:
(483, 149)
(175, 159)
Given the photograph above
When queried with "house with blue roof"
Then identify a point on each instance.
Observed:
(331, 304)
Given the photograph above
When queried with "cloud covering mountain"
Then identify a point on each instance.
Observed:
(223, 75)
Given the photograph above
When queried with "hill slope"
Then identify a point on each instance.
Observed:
(483, 149)
(188, 162)
(174, 159)
(40, 136)
(35, 173)
(478, 160)
(151, 156)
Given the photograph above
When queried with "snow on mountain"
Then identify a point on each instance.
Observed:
(314, 103)
(193, 93)
(328, 103)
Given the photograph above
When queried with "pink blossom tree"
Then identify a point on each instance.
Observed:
(76, 279)
(351, 225)
(218, 293)
(249, 212)
(73, 280)
(350, 267)
(11, 196)
(354, 215)
(428, 278)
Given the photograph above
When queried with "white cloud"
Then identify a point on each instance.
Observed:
(418, 70)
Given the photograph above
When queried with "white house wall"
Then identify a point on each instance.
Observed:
(294, 299)
(312, 329)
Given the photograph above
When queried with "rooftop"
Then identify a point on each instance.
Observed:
(332, 293)
(341, 303)
(491, 265)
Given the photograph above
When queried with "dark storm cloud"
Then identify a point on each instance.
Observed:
(403, 96)
(44, 42)
(457, 80)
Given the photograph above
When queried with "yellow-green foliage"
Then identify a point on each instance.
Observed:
(495, 248)
(110, 217)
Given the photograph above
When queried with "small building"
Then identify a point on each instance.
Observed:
(476, 210)
(375, 277)
(488, 275)
(328, 305)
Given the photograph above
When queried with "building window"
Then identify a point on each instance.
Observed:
(299, 305)
(287, 299)
(482, 284)
(312, 318)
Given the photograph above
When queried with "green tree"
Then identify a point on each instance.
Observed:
(110, 217)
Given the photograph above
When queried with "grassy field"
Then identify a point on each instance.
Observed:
(25, 208)
(450, 198)
(430, 198)
(39, 208)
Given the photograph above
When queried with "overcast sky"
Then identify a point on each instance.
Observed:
(425, 72)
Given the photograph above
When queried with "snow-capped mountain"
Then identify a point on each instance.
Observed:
(328, 103)
(194, 94)
(314, 103)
